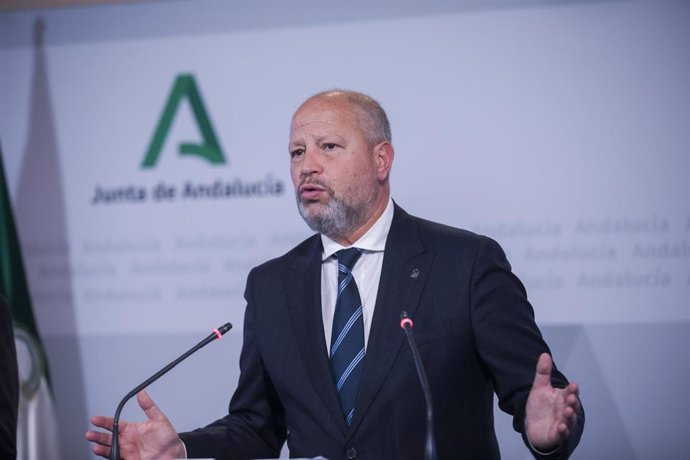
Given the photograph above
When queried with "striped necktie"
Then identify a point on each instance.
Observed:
(347, 340)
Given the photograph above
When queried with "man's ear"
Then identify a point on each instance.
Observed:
(384, 155)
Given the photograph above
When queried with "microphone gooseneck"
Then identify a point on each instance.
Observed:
(406, 324)
(115, 447)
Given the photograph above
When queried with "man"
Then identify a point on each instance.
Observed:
(324, 363)
(9, 385)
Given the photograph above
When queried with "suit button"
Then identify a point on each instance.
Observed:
(351, 453)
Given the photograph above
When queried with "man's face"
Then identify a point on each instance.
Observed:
(333, 168)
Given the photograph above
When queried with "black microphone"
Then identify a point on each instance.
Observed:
(216, 334)
(430, 447)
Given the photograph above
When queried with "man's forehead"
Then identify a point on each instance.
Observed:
(322, 117)
(316, 130)
(325, 104)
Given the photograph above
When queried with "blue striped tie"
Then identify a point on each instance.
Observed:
(347, 340)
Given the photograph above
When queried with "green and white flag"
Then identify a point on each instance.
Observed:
(37, 429)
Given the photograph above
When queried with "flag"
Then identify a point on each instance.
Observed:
(35, 437)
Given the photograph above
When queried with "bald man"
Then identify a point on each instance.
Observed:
(324, 364)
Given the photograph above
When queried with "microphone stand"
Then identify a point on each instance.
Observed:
(115, 447)
(430, 446)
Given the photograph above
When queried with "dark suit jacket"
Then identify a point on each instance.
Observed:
(9, 385)
(474, 328)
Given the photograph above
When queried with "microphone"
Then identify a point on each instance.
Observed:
(406, 324)
(216, 334)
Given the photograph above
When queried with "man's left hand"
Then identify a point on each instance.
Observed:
(551, 412)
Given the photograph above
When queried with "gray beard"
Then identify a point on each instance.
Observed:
(337, 221)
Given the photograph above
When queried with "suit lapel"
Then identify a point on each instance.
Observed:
(303, 290)
(406, 265)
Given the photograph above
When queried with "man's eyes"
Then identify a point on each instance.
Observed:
(298, 152)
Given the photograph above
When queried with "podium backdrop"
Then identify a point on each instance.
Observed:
(146, 152)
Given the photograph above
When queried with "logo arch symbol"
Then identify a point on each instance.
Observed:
(209, 150)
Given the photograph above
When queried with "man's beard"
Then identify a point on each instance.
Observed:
(337, 218)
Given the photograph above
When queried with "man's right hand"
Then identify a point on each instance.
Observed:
(154, 438)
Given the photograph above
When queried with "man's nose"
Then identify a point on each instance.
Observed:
(311, 163)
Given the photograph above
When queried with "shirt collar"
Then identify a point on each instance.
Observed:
(374, 240)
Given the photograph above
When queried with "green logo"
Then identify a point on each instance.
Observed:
(209, 149)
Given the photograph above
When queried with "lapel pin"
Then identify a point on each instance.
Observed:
(414, 273)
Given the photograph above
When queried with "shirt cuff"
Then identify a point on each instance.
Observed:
(537, 451)
(184, 447)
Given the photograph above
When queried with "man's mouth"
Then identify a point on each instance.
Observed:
(311, 191)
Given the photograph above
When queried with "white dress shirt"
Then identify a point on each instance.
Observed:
(367, 272)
